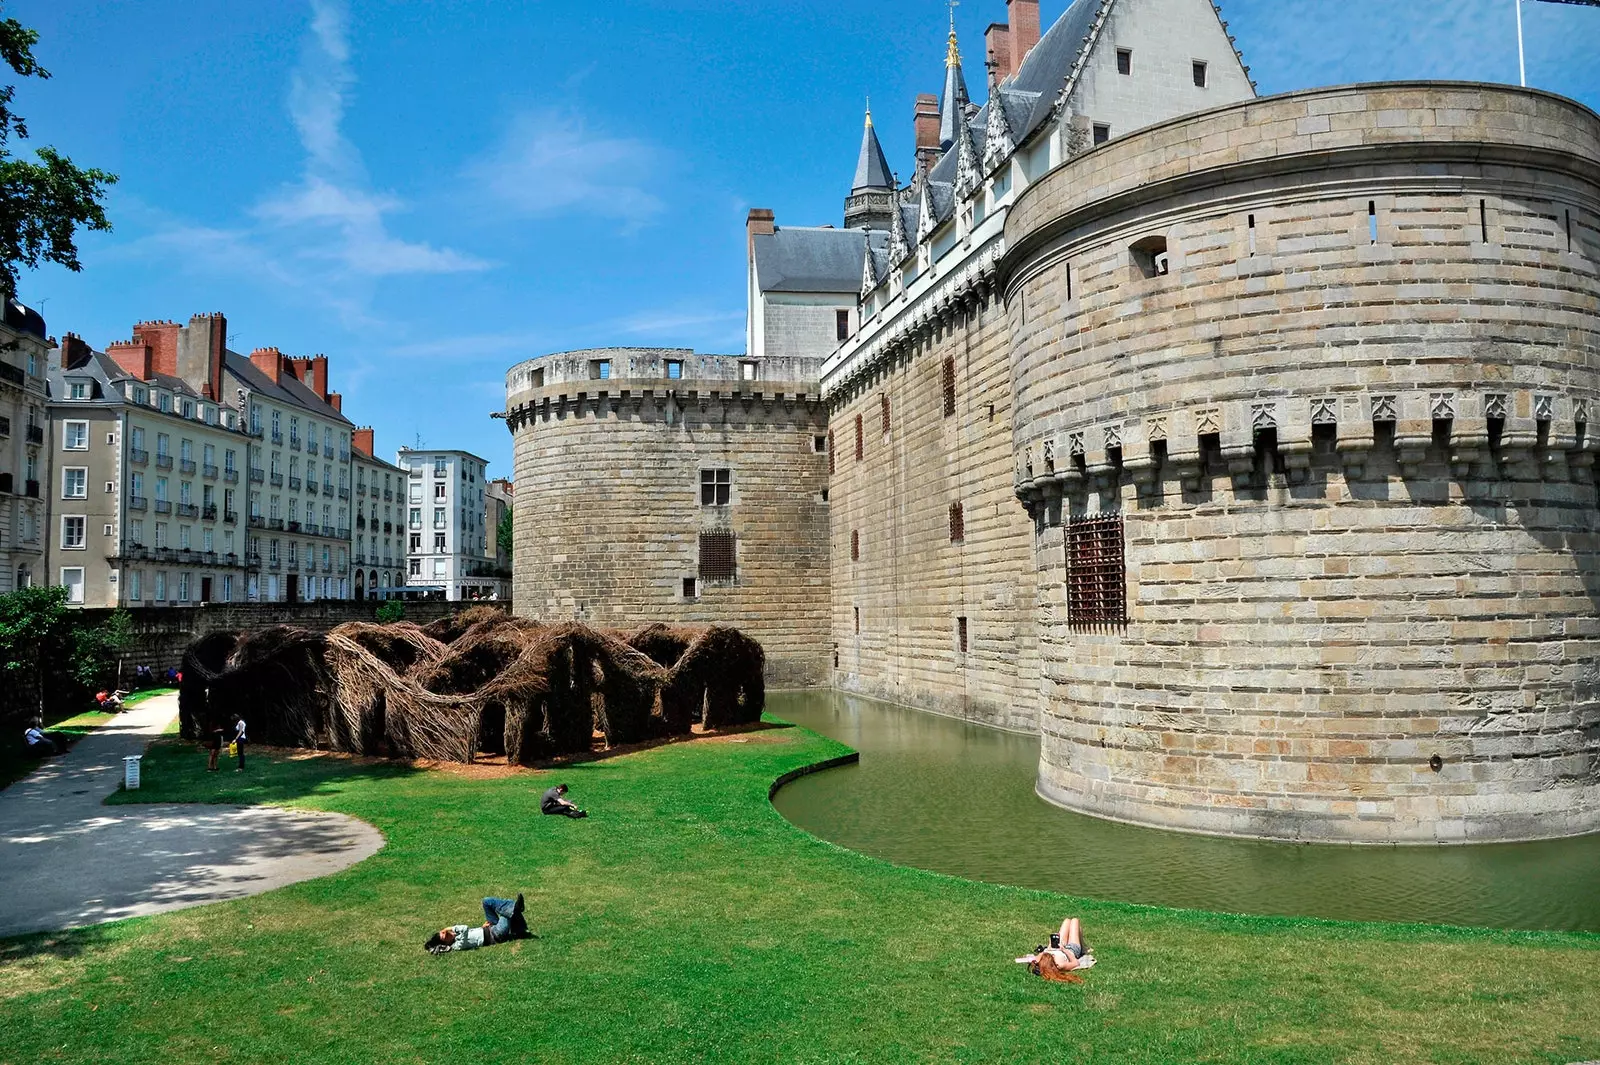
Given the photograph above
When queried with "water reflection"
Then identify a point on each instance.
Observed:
(955, 798)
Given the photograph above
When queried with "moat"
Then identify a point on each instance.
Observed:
(943, 795)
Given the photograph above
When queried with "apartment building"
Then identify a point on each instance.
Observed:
(144, 492)
(24, 458)
(447, 549)
(379, 549)
(497, 500)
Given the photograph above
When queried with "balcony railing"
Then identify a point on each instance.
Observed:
(138, 503)
(327, 566)
(257, 521)
(13, 374)
(138, 456)
(257, 475)
(255, 559)
(209, 471)
(361, 523)
(276, 479)
(30, 489)
(230, 475)
(254, 430)
(163, 462)
(294, 440)
(231, 517)
(188, 510)
(344, 454)
(35, 434)
(294, 484)
(312, 529)
(361, 488)
(311, 446)
(359, 560)
(135, 552)
(277, 436)
(273, 564)
(344, 493)
(209, 513)
(388, 496)
(208, 558)
(344, 533)
(275, 524)
(294, 526)
(388, 527)
(186, 465)
(311, 487)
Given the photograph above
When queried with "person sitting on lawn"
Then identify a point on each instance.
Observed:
(39, 745)
(110, 702)
(1065, 953)
(554, 804)
(505, 921)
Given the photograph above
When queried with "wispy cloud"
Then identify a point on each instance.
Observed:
(551, 161)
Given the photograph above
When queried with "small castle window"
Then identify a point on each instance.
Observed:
(841, 324)
(858, 621)
(819, 444)
(958, 523)
(716, 487)
(599, 369)
(1102, 132)
(717, 556)
(691, 588)
(949, 385)
(1199, 74)
(961, 634)
(538, 377)
(858, 438)
(1097, 593)
(747, 371)
(1149, 255)
(830, 452)
(1372, 220)
(855, 545)
(883, 401)
(1124, 61)
(674, 369)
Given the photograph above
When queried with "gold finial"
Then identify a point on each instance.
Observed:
(953, 56)
(869, 110)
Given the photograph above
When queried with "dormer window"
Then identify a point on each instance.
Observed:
(141, 396)
(78, 390)
(164, 402)
(188, 408)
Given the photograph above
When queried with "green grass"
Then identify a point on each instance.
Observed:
(66, 729)
(149, 693)
(687, 921)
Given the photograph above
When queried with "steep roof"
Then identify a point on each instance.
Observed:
(872, 167)
(1050, 62)
(954, 97)
(800, 259)
(287, 390)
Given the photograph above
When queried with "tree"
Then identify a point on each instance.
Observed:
(502, 535)
(42, 204)
(51, 656)
(391, 610)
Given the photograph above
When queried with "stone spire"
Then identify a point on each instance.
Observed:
(872, 191)
(954, 98)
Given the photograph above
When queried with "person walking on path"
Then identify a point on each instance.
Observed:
(238, 740)
(556, 805)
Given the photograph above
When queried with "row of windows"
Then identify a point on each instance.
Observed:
(162, 400)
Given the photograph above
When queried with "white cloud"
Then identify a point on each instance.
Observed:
(550, 162)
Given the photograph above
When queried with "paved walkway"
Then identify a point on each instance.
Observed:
(66, 860)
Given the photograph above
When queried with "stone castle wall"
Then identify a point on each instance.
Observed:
(609, 513)
(1349, 435)
(897, 603)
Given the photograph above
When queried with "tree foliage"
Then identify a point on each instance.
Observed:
(52, 656)
(43, 203)
(502, 535)
(391, 610)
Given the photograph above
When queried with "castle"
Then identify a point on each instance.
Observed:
(1238, 447)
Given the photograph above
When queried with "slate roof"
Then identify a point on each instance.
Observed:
(800, 259)
(1047, 65)
(872, 167)
(287, 390)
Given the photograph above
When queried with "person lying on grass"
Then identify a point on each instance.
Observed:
(505, 921)
(555, 804)
(1065, 953)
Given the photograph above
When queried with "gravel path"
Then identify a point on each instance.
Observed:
(66, 860)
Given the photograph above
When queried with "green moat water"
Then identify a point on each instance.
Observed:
(955, 798)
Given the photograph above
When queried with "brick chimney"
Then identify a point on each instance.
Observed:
(336, 401)
(361, 440)
(997, 50)
(759, 222)
(133, 356)
(927, 130)
(269, 361)
(200, 350)
(1023, 18)
(74, 351)
(318, 382)
(162, 337)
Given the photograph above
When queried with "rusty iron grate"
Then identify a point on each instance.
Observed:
(1097, 591)
(717, 561)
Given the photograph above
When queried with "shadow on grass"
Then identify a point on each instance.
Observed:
(174, 770)
(62, 946)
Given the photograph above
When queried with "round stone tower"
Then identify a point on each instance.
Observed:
(1305, 402)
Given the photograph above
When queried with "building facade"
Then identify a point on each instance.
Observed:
(447, 549)
(24, 456)
(379, 549)
(701, 495)
(1240, 448)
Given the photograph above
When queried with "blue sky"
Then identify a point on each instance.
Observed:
(428, 193)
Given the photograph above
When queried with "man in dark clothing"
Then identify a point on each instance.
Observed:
(554, 804)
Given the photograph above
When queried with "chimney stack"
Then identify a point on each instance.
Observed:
(336, 401)
(200, 349)
(1023, 18)
(162, 339)
(270, 362)
(927, 131)
(319, 376)
(759, 222)
(997, 50)
(361, 440)
(74, 351)
(132, 355)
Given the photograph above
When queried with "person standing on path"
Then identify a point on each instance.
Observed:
(238, 740)
(214, 747)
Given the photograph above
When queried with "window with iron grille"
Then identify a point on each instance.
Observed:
(855, 545)
(716, 487)
(717, 556)
(961, 634)
(883, 403)
(958, 523)
(949, 386)
(830, 451)
(858, 438)
(1097, 592)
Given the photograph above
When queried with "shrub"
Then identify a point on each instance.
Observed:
(391, 610)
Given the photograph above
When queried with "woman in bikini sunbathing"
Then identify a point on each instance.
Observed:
(1064, 954)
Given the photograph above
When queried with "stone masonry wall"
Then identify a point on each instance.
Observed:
(609, 512)
(910, 583)
(1350, 435)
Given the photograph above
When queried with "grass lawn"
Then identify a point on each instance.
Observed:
(685, 920)
(16, 763)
